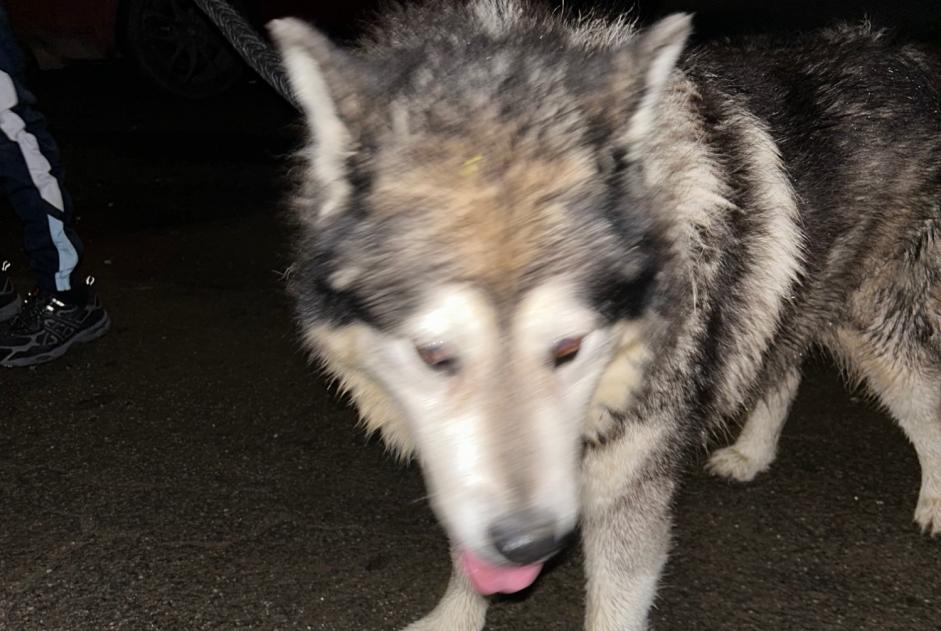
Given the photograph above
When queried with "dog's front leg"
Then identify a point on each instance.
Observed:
(625, 528)
(460, 609)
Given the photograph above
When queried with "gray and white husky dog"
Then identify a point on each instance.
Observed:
(546, 256)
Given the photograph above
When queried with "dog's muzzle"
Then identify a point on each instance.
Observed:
(524, 540)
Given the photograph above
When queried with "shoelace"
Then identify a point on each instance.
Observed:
(28, 319)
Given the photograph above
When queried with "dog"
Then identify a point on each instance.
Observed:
(547, 256)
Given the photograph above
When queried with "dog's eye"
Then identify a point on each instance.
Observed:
(439, 357)
(565, 351)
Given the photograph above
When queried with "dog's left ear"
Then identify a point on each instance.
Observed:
(329, 86)
(654, 54)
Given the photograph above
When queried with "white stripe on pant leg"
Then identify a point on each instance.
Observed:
(40, 171)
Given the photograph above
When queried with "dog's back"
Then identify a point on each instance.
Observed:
(856, 117)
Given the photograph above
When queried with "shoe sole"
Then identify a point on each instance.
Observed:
(9, 311)
(88, 335)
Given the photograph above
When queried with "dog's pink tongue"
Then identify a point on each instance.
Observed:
(491, 579)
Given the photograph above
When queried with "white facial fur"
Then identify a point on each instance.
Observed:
(503, 433)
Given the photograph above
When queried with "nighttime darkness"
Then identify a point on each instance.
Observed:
(526, 290)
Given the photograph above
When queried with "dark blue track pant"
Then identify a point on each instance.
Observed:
(30, 175)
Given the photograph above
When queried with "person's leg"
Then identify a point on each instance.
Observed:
(62, 312)
(31, 177)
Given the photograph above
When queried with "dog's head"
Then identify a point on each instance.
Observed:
(477, 254)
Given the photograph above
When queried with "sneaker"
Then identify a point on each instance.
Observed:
(46, 327)
(9, 300)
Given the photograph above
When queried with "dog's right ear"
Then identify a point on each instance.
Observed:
(326, 84)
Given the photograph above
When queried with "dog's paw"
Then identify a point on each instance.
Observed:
(928, 515)
(733, 464)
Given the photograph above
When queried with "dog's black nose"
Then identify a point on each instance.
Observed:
(525, 538)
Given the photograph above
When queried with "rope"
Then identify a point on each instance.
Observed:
(256, 52)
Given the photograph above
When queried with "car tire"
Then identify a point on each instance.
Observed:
(178, 48)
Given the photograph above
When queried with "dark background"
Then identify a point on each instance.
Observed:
(191, 471)
(719, 17)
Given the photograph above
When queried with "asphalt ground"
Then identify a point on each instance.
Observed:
(191, 471)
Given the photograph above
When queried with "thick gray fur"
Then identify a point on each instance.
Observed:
(746, 202)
